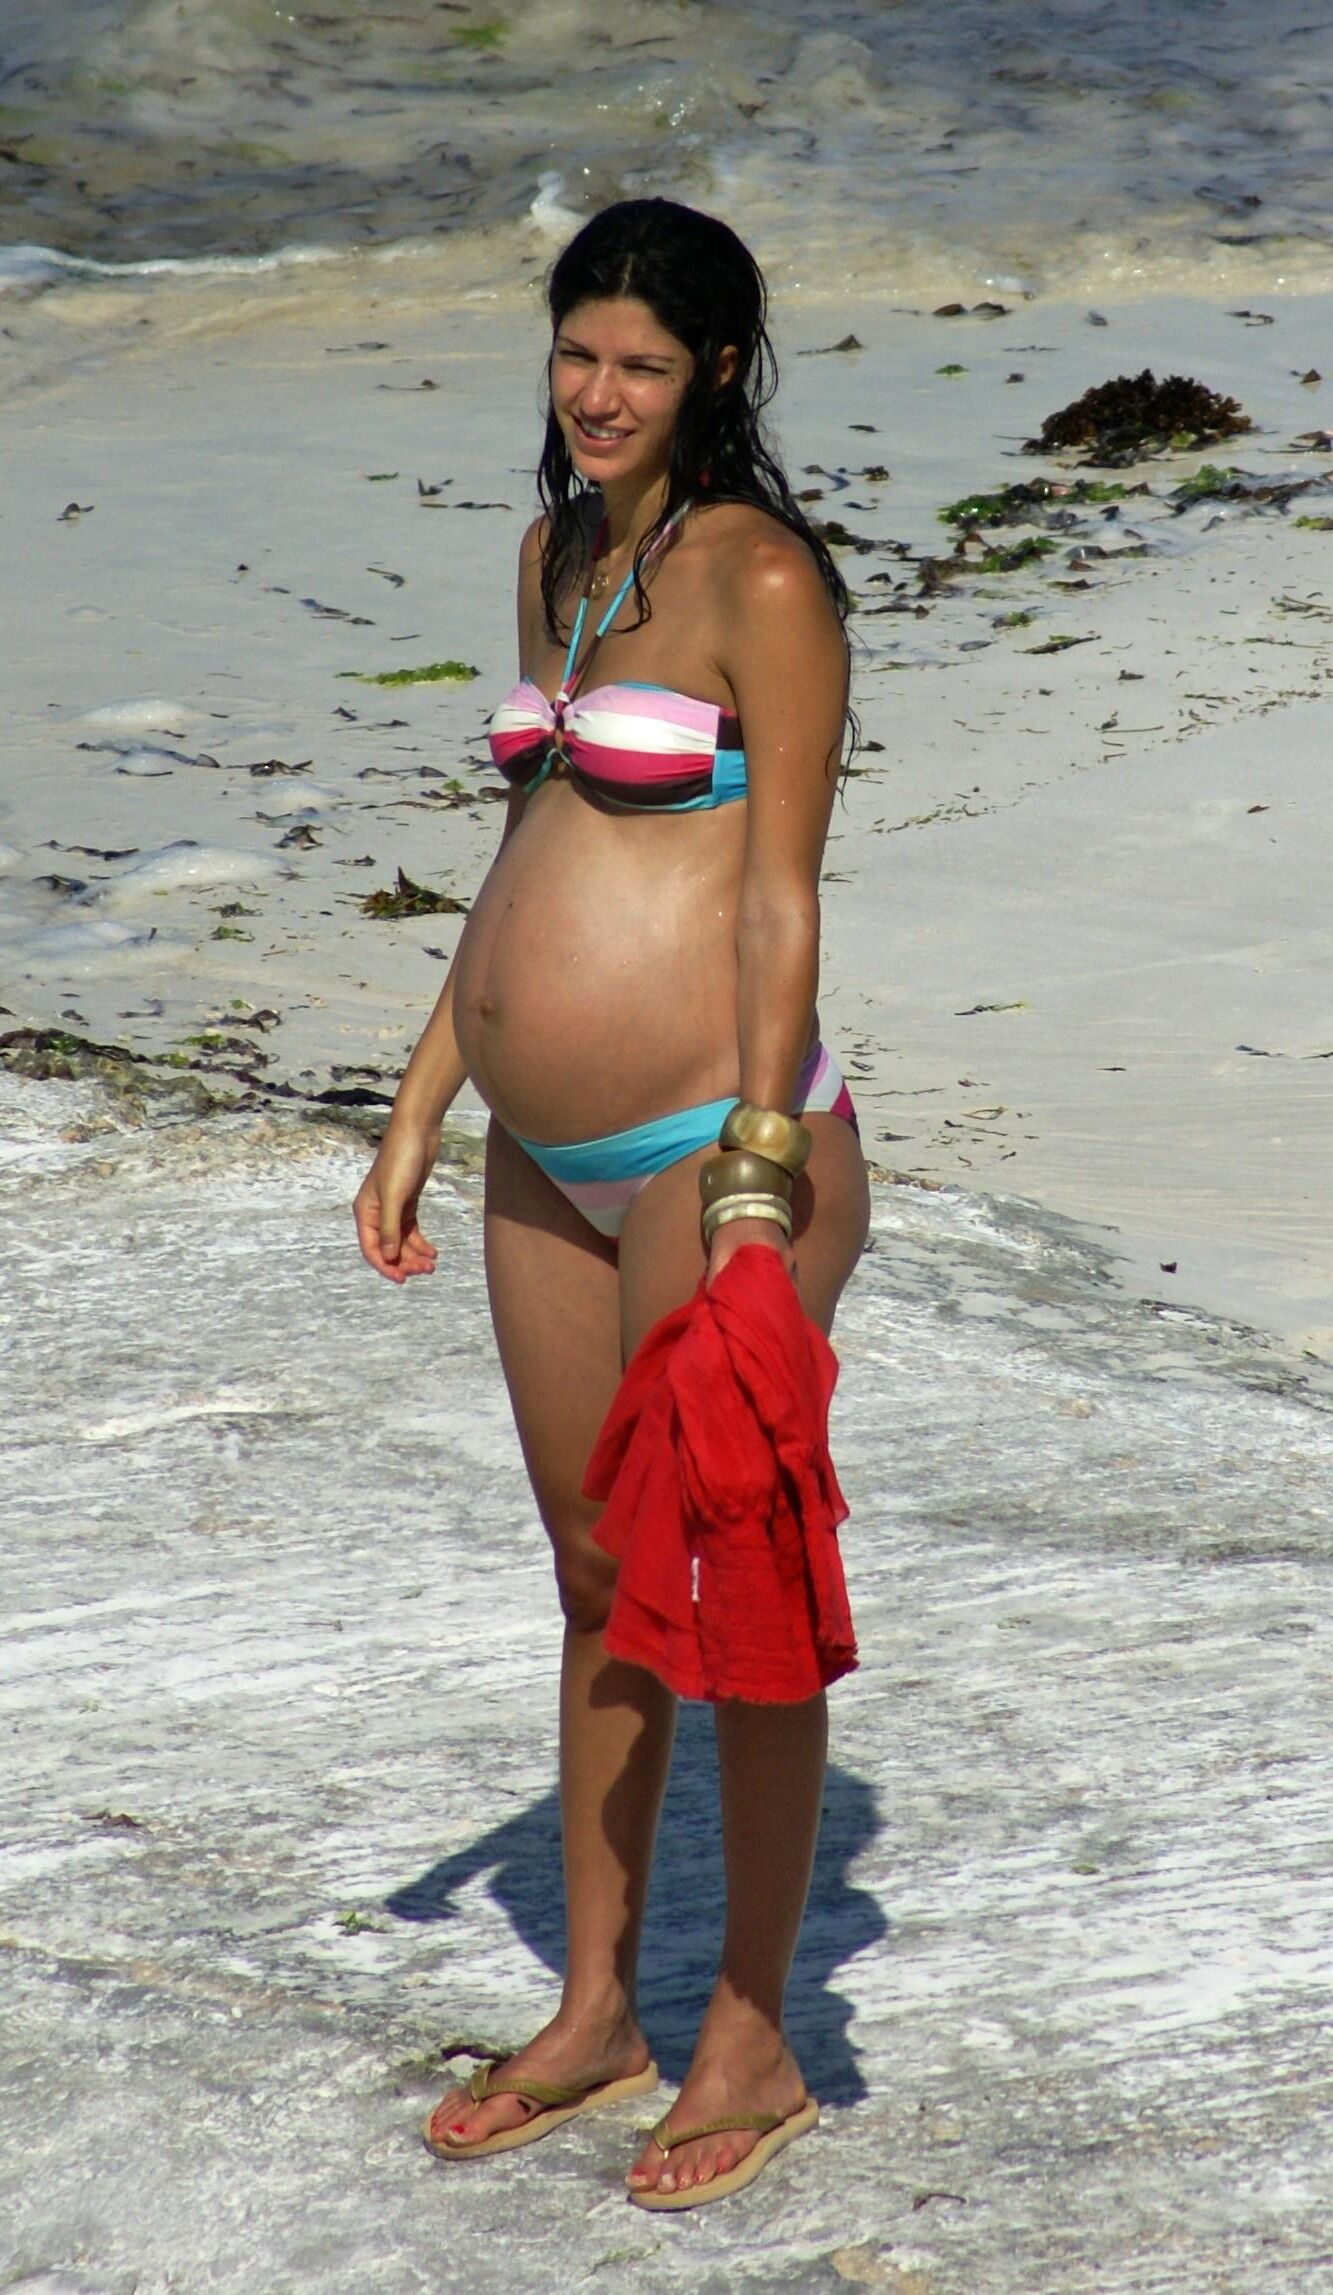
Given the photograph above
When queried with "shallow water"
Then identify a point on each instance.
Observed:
(904, 147)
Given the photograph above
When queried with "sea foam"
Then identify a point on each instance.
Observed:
(186, 867)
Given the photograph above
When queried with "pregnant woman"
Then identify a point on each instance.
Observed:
(642, 957)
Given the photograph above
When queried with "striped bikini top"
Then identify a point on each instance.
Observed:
(643, 747)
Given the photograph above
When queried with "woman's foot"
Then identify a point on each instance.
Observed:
(575, 2052)
(741, 2071)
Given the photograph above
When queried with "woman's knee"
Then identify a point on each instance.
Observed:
(585, 1580)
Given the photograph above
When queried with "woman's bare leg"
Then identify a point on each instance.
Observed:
(772, 1757)
(555, 1301)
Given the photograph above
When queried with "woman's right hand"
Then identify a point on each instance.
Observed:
(386, 1206)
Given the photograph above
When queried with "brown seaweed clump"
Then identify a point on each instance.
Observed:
(1133, 416)
(407, 898)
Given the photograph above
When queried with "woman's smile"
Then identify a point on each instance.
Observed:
(599, 434)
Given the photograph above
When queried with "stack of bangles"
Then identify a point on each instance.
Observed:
(761, 1153)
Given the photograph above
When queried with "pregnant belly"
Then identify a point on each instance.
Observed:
(596, 979)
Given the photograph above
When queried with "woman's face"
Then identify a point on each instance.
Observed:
(617, 382)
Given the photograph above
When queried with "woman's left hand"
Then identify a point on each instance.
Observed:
(737, 1233)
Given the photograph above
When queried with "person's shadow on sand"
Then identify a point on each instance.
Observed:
(684, 1925)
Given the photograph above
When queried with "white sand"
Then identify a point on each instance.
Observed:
(1073, 836)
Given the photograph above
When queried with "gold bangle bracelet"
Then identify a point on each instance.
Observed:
(745, 1207)
(723, 1214)
(739, 1172)
(767, 1132)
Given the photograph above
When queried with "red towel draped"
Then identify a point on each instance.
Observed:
(722, 1506)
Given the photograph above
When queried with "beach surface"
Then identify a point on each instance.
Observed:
(281, 1844)
(283, 1854)
(1076, 947)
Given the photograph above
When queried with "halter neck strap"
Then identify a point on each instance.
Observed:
(571, 676)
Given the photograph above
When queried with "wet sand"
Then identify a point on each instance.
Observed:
(278, 1685)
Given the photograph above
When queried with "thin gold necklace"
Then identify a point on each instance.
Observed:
(600, 576)
(601, 579)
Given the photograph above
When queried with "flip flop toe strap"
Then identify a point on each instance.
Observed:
(485, 2081)
(754, 2124)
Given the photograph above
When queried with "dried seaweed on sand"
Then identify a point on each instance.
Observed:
(1134, 416)
(410, 899)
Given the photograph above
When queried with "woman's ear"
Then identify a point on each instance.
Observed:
(725, 371)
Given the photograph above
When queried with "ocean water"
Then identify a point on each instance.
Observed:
(1098, 146)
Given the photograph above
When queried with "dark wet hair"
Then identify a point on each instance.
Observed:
(703, 285)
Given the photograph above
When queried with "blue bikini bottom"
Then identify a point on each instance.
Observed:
(602, 1177)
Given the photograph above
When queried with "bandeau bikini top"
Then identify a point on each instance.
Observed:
(639, 746)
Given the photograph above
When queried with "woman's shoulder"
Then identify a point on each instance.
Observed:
(537, 535)
(753, 555)
(534, 542)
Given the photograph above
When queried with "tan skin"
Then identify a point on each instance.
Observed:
(616, 967)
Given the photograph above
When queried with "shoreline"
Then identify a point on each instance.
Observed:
(1074, 938)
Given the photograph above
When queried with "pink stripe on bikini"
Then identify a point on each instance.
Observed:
(631, 768)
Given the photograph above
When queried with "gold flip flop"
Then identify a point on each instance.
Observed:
(556, 2106)
(774, 2135)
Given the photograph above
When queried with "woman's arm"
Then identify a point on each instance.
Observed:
(386, 1203)
(785, 658)
(787, 666)
(435, 1074)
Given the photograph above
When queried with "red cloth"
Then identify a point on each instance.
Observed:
(722, 1506)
